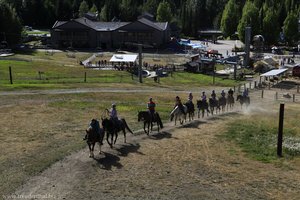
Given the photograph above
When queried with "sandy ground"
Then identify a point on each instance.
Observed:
(182, 162)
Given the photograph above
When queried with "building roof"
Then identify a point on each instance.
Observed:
(110, 26)
(157, 25)
(123, 58)
(274, 72)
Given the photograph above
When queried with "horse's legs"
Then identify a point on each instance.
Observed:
(145, 126)
(99, 147)
(92, 150)
(107, 139)
(116, 137)
(151, 126)
(124, 132)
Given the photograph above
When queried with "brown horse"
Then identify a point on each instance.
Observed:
(202, 107)
(148, 120)
(230, 101)
(112, 127)
(243, 100)
(214, 105)
(94, 134)
(222, 103)
(190, 110)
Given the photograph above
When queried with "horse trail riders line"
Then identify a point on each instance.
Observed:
(151, 105)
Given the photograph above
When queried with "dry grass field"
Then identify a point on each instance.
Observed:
(194, 161)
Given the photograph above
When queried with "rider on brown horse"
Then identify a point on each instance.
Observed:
(151, 107)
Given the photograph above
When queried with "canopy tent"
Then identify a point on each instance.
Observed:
(123, 58)
(274, 72)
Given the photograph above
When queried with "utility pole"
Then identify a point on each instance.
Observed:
(140, 46)
(140, 63)
(247, 46)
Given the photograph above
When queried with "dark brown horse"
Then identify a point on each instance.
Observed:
(214, 105)
(222, 103)
(230, 101)
(148, 120)
(243, 100)
(190, 110)
(202, 107)
(94, 134)
(112, 127)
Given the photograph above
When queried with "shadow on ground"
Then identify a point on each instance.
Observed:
(109, 161)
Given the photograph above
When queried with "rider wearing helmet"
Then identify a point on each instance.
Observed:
(213, 95)
(223, 93)
(151, 107)
(113, 112)
(203, 97)
(230, 92)
(190, 98)
(245, 93)
(179, 104)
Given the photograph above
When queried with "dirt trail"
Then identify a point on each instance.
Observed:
(182, 162)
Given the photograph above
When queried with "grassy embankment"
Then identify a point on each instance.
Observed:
(60, 71)
(256, 134)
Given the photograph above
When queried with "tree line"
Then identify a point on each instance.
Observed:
(266, 17)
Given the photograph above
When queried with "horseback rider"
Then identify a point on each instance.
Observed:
(179, 104)
(230, 92)
(245, 93)
(223, 93)
(190, 98)
(203, 97)
(151, 107)
(113, 114)
(213, 95)
(94, 124)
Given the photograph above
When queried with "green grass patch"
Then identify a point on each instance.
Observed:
(258, 138)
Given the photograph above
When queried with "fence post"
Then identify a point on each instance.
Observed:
(234, 88)
(280, 130)
(10, 75)
(250, 85)
(293, 97)
(269, 85)
(255, 84)
(262, 94)
(85, 77)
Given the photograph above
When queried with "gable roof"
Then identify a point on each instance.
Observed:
(111, 26)
(157, 25)
(83, 21)
(108, 26)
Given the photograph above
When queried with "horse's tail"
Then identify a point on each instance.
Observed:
(126, 126)
(159, 121)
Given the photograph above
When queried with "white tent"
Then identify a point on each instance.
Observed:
(274, 72)
(123, 58)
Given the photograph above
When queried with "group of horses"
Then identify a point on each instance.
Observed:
(212, 106)
(111, 127)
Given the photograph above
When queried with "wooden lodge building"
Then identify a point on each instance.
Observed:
(86, 33)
